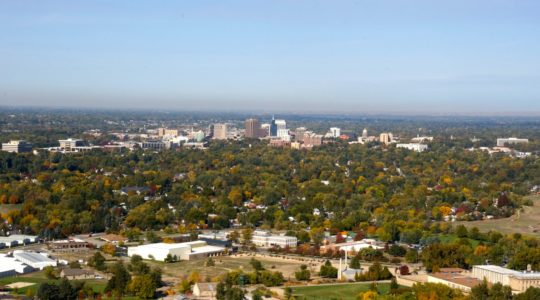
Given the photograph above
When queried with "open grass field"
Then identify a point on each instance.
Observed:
(39, 277)
(347, 291)
(451, 238)
(526, 222)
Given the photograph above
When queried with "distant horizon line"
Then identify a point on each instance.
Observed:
(259, 112)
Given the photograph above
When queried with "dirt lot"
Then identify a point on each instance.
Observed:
(526, 222)
(173, 272)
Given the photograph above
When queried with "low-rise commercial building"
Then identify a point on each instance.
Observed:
(182, 251)
(20, 146)
(70, 245)
(501, 142)
(9, 266)
(17, 240)
(413, 147)
(456, 280)
(518, 281)
(266, 239)
(34, 259)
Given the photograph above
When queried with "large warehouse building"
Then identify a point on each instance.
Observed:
(34, 259)
(183, 251)
(10, 267)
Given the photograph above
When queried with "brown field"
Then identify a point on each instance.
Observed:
(173, 272)
(526, 221)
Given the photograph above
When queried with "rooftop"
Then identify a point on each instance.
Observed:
(32, 257)
(458, 279)
(497, 269)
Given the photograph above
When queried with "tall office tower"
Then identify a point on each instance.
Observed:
(220, 131)
(252, 128)
(386, 138)
(299, 134)
(364, 134)
(273, 127)
(20, 146)
(281, 124)
(335, 131)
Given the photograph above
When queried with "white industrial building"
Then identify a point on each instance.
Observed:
(17, 240)
(10, 267)
(355, 246)
(266, 239)
(34, 259)
(183, 251)
(413, 147)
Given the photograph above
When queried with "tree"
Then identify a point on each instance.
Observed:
(412, 256)
(50, 272)
(210, 262)
(328, 271)
(461, 231)
(317, 235)
(48, 291)
(247, 236)
(532, 293)
(304, 274)
(393, 285)
(119, 280)
(97, 261)
(480, 291)
(288, 293)
(142, 286)
(137, 265)
(66, 290)
(355, 262)
(256, 264)
(397, 250)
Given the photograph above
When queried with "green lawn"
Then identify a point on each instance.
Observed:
(39, 277)
(338, 291)
(451, 238)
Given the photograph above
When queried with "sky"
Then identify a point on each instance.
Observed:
(364, 56)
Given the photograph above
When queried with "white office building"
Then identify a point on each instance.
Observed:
(413, 147)
(501, 142)
(20, 146)
(335, 132)
(182, 251)
(266, 239)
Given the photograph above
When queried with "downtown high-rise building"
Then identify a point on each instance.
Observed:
(220, 131)
(273, 127)
(253, 128)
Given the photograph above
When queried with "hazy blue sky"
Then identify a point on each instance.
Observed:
(372, 56)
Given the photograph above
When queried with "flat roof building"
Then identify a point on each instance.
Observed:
(517, 280)
(34, 259)
(9, 266)
(70, 145)
(253, 128)
(266, 239)
(20, 146)
(413, 147)
(182, 251)
(512, 140)
(220, 131)
(455, 280)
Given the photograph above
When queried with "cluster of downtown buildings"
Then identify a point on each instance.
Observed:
(275, 132)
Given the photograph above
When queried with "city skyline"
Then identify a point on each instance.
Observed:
(355, 57)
